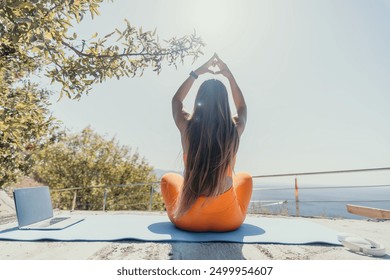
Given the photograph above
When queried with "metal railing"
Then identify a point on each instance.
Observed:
(154, 187)
(296, 187)
(151, 185)
(323, 172)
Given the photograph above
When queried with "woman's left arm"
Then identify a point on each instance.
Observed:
(179, 114)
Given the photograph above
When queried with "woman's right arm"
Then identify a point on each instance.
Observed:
(238, 97)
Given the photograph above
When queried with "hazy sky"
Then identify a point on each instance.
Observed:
(315, 75)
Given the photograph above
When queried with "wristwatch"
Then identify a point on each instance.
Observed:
(193, 74)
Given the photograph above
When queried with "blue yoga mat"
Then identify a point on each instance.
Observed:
(113, 227)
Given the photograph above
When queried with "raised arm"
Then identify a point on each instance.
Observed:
(238, 97)
(179, 114)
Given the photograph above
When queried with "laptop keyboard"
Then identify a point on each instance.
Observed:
(57, 220)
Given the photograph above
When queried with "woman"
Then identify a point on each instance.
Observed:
(209, 197)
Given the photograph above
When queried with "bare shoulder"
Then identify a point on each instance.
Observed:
(183, 123)
(186, 115)
(239, 123)
(181, 119)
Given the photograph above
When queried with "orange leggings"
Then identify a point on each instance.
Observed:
(225, 212)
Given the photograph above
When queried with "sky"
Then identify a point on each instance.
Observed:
(315, 76)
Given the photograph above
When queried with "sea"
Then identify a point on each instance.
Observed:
(317, 201)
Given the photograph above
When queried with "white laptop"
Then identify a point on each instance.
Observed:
(35, 211)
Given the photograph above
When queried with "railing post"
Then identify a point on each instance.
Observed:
(104, 199)
(58, 200)
(151, 198)
(74, 200)
(296, 198)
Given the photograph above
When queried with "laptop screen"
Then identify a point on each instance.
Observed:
(32, 205)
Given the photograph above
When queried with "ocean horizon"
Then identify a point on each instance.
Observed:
(323, 201)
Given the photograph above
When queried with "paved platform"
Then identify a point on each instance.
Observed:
(14, 250)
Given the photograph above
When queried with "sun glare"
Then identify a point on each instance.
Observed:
(212, 19)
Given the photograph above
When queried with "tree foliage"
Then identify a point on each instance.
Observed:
(86, 160)
(25, 124)
(36, 38)
(36, 35)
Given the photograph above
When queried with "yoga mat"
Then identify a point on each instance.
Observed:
(113, 227)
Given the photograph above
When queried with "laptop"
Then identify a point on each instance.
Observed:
(35, 211)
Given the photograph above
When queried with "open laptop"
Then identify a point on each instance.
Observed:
(35, 211)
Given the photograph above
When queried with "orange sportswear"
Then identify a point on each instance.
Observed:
(225, 212)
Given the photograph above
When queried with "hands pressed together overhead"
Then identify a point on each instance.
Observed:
(214, 66)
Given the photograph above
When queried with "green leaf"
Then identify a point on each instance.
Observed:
(108, 35)
(35, 49)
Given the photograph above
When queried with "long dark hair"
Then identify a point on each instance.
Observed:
(211, 141)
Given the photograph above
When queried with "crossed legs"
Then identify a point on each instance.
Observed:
(171, 184)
